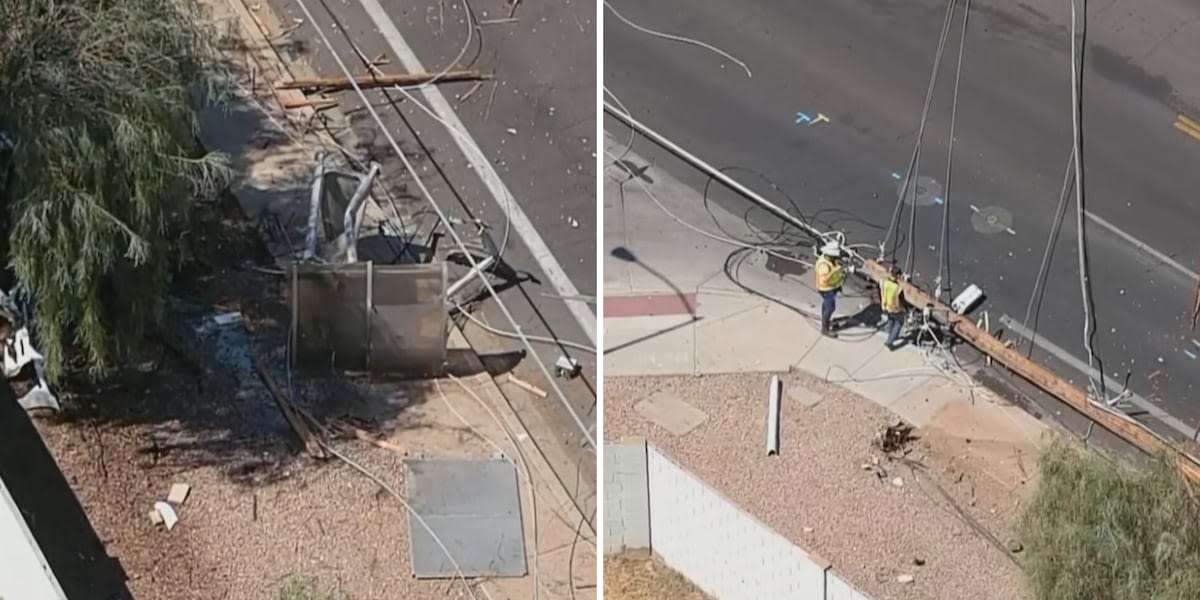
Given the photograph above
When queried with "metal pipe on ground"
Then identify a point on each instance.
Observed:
(774, 401)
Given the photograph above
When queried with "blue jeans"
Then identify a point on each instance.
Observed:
(895, 322)
(828, 304)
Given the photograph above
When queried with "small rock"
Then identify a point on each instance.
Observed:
(920, 562)
(808, 530)
(1014, 546)
(866, 466)
(898, 482)
(905, 578)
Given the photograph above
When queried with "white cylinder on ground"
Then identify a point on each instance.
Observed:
(774, 400)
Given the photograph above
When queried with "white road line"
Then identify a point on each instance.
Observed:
(1144, 247)
(1151, 409)
(520, 222)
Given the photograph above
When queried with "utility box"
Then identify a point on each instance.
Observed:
(388, 319)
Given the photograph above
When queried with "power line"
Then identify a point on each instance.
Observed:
(1085, 288)
(894, 225)
(944, 244)
(1039, 290)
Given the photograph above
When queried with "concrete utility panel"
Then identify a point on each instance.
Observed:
(669, 412)
(473, 507)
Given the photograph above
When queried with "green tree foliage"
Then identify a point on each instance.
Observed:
(1098, 532)
(98, 98)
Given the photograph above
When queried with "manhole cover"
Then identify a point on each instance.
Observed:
(992, 220)
(922, 192)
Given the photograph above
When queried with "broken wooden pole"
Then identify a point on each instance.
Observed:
(289, 410)
(377, 81)
(1122, 425)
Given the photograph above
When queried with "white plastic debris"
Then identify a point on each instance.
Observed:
(511, 131)
(167, 513)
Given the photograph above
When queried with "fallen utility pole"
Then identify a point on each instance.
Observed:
(336, 84)
(1120, 424)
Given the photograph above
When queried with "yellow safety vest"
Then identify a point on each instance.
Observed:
(829, 275)
(890, 296)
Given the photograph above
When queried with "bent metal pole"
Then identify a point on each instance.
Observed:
(716, 173)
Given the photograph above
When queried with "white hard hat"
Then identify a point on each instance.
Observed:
(831, 249)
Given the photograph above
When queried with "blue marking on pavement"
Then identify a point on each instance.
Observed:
(1190, 354)
(802, 118)
(896, 176)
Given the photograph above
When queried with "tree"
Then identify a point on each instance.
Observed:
(98, 103)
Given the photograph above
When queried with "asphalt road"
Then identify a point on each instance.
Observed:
(865, 66)
(534, 123)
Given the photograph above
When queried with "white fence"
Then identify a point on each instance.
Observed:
(651, 503)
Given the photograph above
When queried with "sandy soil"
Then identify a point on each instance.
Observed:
(633, 577)
(826, 494)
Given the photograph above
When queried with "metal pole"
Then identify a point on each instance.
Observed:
(717, 174)
(350, 221)
(774, 399)
(314, 208)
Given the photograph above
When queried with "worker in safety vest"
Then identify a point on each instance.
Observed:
(892, 306)
(830, 277)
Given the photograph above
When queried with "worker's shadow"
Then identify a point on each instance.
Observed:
(870, 317)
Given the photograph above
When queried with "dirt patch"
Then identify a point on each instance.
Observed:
(633, 577)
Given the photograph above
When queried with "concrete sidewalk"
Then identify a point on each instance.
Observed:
(677, 302)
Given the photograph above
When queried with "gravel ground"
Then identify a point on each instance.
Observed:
(632, 577)
(817, 493)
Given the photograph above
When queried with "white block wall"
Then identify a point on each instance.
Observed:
(626, 497)
(703, 535)
(837, 589)
(724, 551)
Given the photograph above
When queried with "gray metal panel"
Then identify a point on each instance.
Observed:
(474, 508)
(402, 333)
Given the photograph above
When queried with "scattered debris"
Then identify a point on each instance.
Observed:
(566, 367)
(1015, 546)
(155, 518)
(894, 438)
(525, 385)
(918, 561)
(808, 530)
(373, 81)
(366, 436)
(179, 493)
(905, 578)
(167, 514)
(511, 131)
(898, 482)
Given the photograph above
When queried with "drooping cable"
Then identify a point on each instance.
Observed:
(894, 224)
(944, 245)
(676, 38)
(1085, 288)
(1039, 291)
